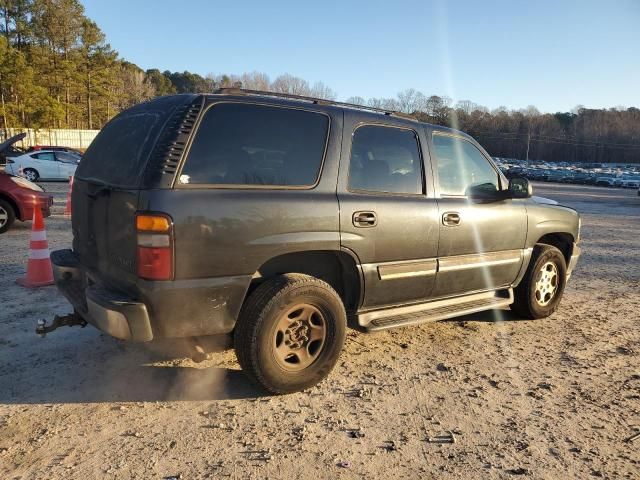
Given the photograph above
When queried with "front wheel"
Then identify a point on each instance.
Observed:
(7, 216)
(541, 289)
(290, 333)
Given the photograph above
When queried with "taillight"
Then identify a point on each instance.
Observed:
(154, 256)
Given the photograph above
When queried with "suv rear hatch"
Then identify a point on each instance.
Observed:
(138, 149)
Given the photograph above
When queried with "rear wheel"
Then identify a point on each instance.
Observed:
(290, 333)
(541, 289)
(7, 216)
(31, 174)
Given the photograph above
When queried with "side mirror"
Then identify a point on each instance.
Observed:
(519, 187)
(485, 192)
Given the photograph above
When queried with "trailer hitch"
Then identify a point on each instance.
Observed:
(69, 320)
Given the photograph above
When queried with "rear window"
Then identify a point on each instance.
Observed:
(118, 155)
(244, 144)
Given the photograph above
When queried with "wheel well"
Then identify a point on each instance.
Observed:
(562, 241)
(336, 268)
(13, 204)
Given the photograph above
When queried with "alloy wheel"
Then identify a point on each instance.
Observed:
(4, 217)
(546, 284)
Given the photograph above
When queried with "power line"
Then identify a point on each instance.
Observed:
(546, 137)
(540, 138)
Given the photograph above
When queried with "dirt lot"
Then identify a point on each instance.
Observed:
(556, 398)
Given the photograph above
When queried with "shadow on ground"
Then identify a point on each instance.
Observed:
(100, 369)
(489, 316)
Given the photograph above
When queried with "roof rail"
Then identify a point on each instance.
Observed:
(317, 101)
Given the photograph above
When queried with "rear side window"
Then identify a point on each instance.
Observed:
(119, 154)
(67, 157)
(385, 159)
(243, 144)
(48, 156)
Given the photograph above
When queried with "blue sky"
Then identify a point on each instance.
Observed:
(551, 54)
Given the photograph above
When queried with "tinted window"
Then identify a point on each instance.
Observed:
(49, 156)
(385, 159)
(240, 144)
(461, 166)
(67, 157)
(119, 153)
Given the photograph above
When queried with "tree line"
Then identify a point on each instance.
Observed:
(582, 135)
(57, 70)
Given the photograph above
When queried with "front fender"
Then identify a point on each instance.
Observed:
(545, 219)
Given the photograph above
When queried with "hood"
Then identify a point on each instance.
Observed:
(7, 143)
(543, 200)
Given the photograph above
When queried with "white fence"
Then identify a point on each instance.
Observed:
(54, 137)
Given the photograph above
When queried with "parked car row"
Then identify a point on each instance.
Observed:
(564, 172)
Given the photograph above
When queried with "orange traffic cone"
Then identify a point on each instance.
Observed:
(39, 271)
(67, 208)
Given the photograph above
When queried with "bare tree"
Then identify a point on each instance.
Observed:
(255, 81)
(384, 103)
(411, 100)
(287, 83)
(320, 90)
(467, 106)
(356, 100)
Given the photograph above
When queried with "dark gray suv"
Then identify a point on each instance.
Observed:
(281, 219)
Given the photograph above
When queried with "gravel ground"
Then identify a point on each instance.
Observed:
(484, 396)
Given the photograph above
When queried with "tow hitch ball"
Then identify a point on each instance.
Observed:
(69, 320)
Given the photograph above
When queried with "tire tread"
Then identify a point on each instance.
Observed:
(252, 315)
(522, 304)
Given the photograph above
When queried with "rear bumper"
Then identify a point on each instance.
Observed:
(575, 256)
(179, 308)
(105, 309)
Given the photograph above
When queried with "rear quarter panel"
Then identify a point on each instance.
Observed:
(222, 232)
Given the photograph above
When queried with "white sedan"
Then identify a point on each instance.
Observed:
(44, 165)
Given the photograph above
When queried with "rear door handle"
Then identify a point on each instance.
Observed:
(364, 219)
(451, 219)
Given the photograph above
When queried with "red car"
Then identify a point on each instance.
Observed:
(19, 196)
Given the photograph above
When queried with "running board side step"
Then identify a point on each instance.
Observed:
(434, 311)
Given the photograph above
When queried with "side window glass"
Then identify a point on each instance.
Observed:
(48, 156)
(66, 157)
(243, 144)
(385, 159)
(462, 166)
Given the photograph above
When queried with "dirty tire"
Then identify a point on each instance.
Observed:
(259, 329)
(7, 216)
(526, 304)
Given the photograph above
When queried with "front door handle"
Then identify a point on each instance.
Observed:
(451, 219)
(364, 219)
